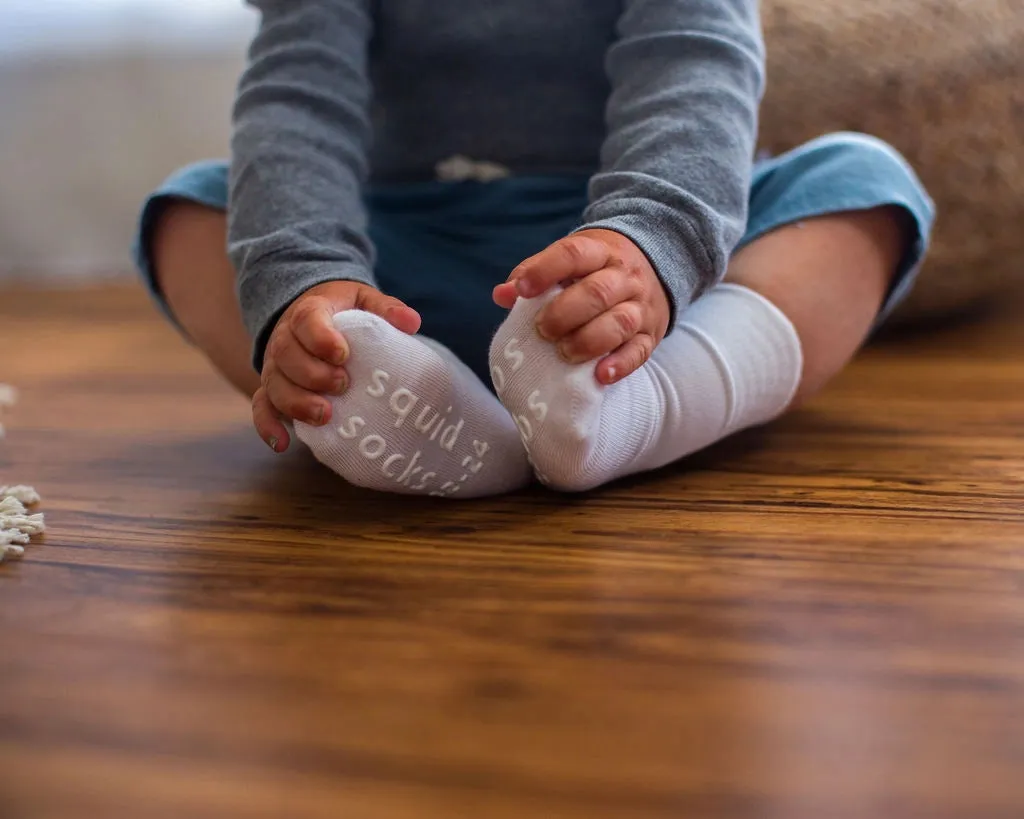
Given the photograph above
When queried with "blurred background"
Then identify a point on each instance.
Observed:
(101, 99)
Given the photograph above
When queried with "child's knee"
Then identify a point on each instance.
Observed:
(184, 231)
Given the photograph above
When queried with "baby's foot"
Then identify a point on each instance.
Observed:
(415, 419)
(733, 361)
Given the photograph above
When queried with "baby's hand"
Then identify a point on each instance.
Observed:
(618, 306)
(306, 354)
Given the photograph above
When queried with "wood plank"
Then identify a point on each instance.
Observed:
(823, 618)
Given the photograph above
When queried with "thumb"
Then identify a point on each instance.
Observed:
(395, 312)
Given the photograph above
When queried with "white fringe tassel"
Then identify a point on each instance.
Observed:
(16, 524)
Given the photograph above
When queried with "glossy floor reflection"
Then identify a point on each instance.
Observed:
(824, 618)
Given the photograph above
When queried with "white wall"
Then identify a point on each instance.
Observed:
(99, 100)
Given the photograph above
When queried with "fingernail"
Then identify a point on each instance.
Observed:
(340, 386)
(318, 416)
(538, 326)
(566, 355)
(340, 356)
(524, 288)
(611, 375)
(272, 443)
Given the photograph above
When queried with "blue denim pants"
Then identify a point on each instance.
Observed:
(442, 246)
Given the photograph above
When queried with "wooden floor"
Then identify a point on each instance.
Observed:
(822, 619)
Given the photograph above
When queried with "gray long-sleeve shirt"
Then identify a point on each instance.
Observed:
(657, 99)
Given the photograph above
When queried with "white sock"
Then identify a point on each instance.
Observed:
(733, 361)
(415, 419)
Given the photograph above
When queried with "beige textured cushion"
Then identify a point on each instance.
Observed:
(941, 80)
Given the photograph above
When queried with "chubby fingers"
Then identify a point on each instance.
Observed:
(398, 314)
(268, 423)
(603, 335)
(293, 377)
(625, 360)
(293, 401)
(312, 325)
(570, 258)
(585, 301)
(505, 295)
(298, 364)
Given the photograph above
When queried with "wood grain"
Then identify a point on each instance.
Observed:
(824, 618)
